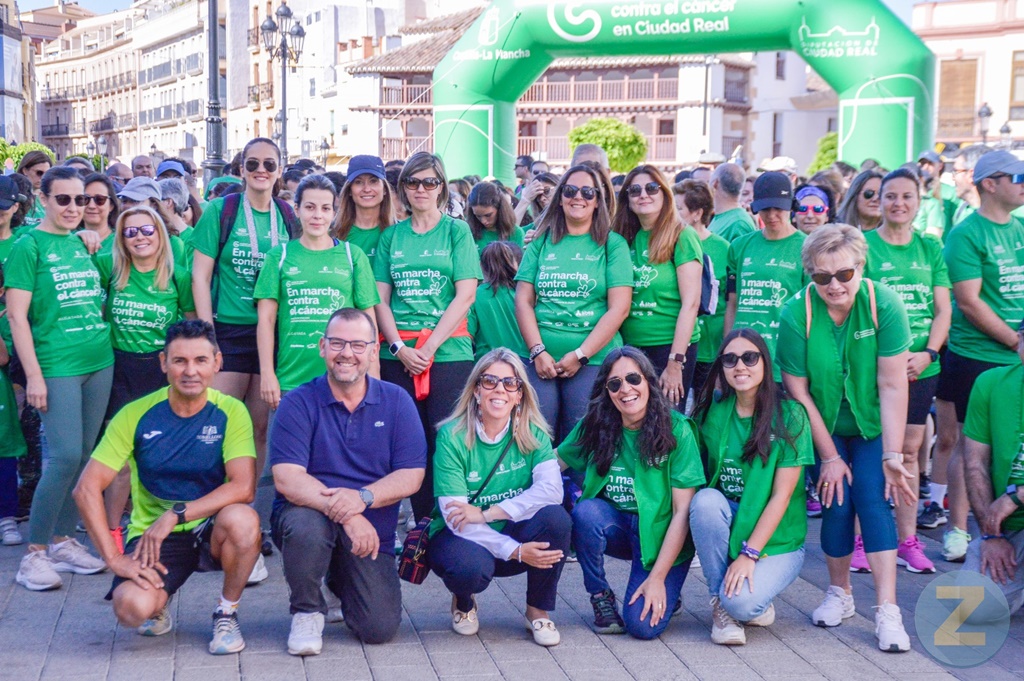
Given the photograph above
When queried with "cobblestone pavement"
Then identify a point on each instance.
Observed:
(70, 634)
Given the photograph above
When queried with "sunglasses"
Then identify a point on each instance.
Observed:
(749, 358)
(1014, 179)
(569, 191)
(427, 183)
(64, 200)
(817, 209)
(98, 199)
(145, 230)
(614, 385)
(825, 278)
(253, 164)
(490, 382)
(868, 194)
(652, 188)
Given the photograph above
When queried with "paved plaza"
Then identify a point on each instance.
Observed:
(71, 635)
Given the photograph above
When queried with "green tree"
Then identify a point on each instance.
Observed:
(18, 152)
(626, 146)
(827, 154)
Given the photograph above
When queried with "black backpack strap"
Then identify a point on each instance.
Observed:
(228, 213)
(290, 219)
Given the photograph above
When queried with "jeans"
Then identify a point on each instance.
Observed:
(1013, 589)
(74, 415)
(8, 486)
(865, 499)
(313, 546)
(447, 379)
(468, 568)
(599, 529)
(658, 354)
(711, 516)
(563, 401)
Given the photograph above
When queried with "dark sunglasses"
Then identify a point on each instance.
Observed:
(253, 164)
(652, 188)
(614, 385)
(490, 382)
(98, 199)
(1014, 179)
(749, 358)
(817, 209)
(869, 194)
(427, 183)
(64, 200)
(570, 191)
(825, 278)
(145, 230)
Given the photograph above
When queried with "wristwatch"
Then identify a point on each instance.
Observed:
(583, 359)
(677, 357)
(933, 354)
(179, 510)
(395, 347)
(366, 496)
(1011, 491)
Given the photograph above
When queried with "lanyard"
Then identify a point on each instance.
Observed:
(250, 223)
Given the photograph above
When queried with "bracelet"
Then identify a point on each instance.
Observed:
(986, 537)
(832, 460)
(519, 553)
(750, 552)
(889, 456)
(536, 351)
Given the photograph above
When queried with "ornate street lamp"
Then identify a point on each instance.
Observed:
(101, 146)
(287, 48)
(324, 148)
(214, 163)
(1006, 136)
(984, 117)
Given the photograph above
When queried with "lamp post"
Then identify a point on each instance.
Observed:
(324, 147)
(288, 49)
(214, 163)
(1006, 136)
(101, 146)
(984, 117)
(91, 149)
(152, 150)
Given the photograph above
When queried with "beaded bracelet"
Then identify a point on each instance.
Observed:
(750, 552)
(986, 537)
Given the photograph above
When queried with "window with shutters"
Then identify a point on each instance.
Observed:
(958, 80)
(1017, 87)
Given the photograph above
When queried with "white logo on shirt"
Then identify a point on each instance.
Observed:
(473, 476)
(152, 434)
(863, 333)
(378, 424)
(209, 435)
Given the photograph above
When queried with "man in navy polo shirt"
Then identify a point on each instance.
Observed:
(345, 450)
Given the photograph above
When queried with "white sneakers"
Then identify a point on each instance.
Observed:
(259, 572)
(71, 556)
(36, 572)
(307, 634)
(765, 619)
(544, 632)
(837, 606)
(39, 569)
(726, 631)
(892, 637)
(159, 624)
(465, 623)
(9, 534)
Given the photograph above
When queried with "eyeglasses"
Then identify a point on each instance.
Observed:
(490, 382)
(98, 199)
(339, 344)
(842, 276)
(651, 188)
(520, 165)
(64, 200)
(145, 230)
(868, 194)
(817, 209)
(570, 191)
(749, 358)
(1014, 179)
(614, 385)
(427, 183)
(253, 164)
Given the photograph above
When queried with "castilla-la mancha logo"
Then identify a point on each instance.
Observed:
(838, 41)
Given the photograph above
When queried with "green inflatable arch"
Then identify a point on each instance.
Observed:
(881, 71)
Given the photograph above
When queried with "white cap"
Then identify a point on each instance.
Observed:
(780, 164)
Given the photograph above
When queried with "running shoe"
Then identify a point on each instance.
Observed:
(159, 624)
(606, 617)
(892, 637)
(9, 532)
(725, 631)
(71, 556)
(931, 516)
(36, 572)
(837, 606)
(227, 636)
(954, 545)
(307, 634)
(859, 559)
(910, 553)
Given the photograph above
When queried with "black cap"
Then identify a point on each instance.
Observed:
(9, 192)
(772, 190)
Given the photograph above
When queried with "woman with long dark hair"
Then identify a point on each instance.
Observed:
(100, 214)
(365, 205)
(490, 217)
(749, 524)
(492, 319)
(534, 200)
(862, 205)
(641, 468)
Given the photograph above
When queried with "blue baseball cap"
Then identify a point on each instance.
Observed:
(172, 166)
(366, 165)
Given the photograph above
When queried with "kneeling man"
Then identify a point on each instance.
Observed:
(193, 467)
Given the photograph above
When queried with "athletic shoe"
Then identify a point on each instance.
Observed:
(259, 572)
(892, 637)
(266, 545)
(911, 554)
(606, 617)
(544, 632)
(36, 572)
(931, 516)
(465, 623)
(954, 545)
(72, 556)
(307, 634)
(159, 625)
(837, 606)
(725, 631)
(9, 532)
(924, 487)
(765, 619)
(859, 559)
(227, 636)
(813, 505)
(118, 534)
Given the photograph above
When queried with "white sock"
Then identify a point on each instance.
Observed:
(938, 492)
(227, 606)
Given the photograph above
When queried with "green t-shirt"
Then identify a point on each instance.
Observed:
(5, 247)
(981, 249)
(66, 314)
(492, 322)
(712, 327)
(308, 287)
(140, 314)
(365, 239)
(656, 301)
(459, 471)
(239, 267)
(912, 271)
(421, 270)
(763, 275)
(930, 219)
(732, 224)
(490, 235)
(618, 487)
(733, 470)
(35, 215)
(571, 281)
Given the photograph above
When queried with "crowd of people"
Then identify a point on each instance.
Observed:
(669, 371)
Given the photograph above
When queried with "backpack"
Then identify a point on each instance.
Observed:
(708, 285)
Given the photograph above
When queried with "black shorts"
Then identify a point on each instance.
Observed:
(238, 347)
(920, 404)
(136, 374)
(957, 379)
(182, 553)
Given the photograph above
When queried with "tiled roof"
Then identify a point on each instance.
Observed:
(458, 21)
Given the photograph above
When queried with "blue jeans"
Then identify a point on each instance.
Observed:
(599, 529)
(711, 516)
(563, 401)
(865, 499)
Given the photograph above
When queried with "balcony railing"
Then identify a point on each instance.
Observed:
(630, 90)
(404, 147)
(73, 92)
(266, 92)
(156, 73)
(254, 38)
(77, 129)
(194, 63)
(157, 114)
(736, 91)
(406, 94)
(105, 124)
(55, 130)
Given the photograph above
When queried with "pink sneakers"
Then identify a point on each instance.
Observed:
(859, 561)
(911, 554)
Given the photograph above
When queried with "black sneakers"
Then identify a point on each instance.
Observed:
(606, 617)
